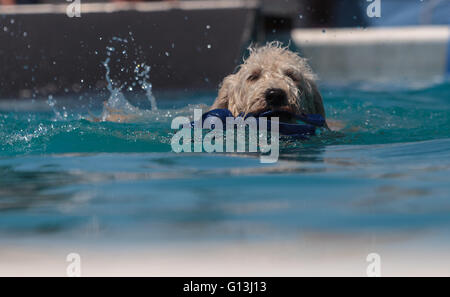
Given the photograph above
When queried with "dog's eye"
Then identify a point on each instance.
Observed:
(253, 77)
(291, 75)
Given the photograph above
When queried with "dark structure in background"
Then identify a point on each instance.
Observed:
(281, 16)
(187, 47)
(332, 13)
(188, 44)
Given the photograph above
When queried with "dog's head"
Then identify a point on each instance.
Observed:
(271, 78)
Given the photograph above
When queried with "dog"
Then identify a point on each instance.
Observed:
(271, 78)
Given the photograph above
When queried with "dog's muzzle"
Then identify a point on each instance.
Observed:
(276, 97)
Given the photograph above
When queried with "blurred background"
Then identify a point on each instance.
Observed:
(49, 48)
(284, 14)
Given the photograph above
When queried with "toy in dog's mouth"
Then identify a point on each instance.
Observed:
(302, 131)
(287, 117)
(284, 116)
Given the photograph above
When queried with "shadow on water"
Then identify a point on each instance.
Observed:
(29, 198)
(23, 190)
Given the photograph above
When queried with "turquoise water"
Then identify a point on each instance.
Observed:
(64, 176)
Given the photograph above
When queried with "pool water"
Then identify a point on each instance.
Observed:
(63, 176)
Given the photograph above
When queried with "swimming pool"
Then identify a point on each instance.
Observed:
(67, 178)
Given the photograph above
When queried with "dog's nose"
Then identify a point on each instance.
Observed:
(276, 97)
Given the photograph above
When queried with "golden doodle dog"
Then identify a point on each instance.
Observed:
(271, 78)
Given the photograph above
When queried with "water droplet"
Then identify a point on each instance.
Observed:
(51, 102)
(208, 27)
(208, 46)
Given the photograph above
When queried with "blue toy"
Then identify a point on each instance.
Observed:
(300, 131)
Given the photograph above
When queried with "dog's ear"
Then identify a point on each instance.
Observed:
(317, 101)
(225, 91)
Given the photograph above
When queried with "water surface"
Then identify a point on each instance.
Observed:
(63, 176)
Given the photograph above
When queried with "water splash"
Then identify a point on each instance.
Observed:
(145, 83)
(52, 103)
(117, 107)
